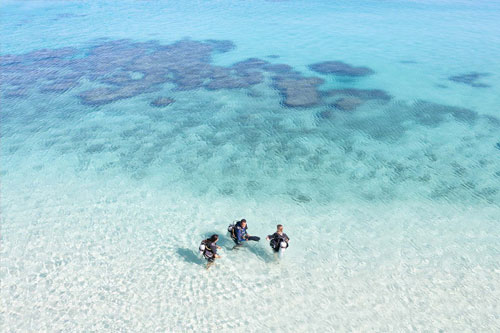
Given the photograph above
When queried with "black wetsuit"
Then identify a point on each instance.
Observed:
(276, 239)
(210, 251)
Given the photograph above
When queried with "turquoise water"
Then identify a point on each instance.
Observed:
(132, 130)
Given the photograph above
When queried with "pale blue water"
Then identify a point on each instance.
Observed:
(390, 190)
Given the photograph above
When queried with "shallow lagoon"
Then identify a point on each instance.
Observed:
(143, 128)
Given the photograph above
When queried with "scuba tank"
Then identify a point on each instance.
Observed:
(202, 248)
(231, 229)
(283, 246)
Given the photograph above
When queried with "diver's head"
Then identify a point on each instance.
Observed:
(243, 223)
(214, 238)
(279, 227)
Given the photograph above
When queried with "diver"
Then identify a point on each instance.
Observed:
(239, 232)
(278, 240)
(208, 248)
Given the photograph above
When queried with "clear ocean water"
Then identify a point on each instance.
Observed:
(130, 131)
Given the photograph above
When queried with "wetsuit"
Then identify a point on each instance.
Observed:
(240, 234)
(276, 240)
(210, 251)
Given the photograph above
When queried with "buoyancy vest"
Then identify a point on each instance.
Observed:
(236, 226)
(207, 251)
(277, 239)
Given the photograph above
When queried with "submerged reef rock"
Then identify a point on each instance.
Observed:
(250, 64)
(351, 98)
(278, 68)
(392, 121)
(99, 96)
(340, 68)
(470, 79)
(347, 103)
(59, 87)
(63, 52)
(10, 59)
(298, 196)
(162, 102)
(226, 78)
(118, 78)
(432, 114)
(325, 115)
(299, 92)
(363, 94)
(15, 93)
(123, 69)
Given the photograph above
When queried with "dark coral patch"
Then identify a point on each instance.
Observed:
(278, 68)
(189, 81)
(44, 54)
(15, 93)
(128, 68)
(162, 102)
(470, 79)
(348, 103)
(96, 148)
(9, 59)
(59, 86)
(252, 78)
(250, 64)
(119, 78)
(151, 79)
(99, 96)
(299, 92)
(325, 115)
(363, 94)
(351, 98)
(229, 80)
(431, 114)
(340, 68)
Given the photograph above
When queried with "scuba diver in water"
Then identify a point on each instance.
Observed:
(279, 240)
(208, 248)
(239, 232)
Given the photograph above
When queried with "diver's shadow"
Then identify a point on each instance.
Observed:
(260, 252)
(254, 247)
(189, 256)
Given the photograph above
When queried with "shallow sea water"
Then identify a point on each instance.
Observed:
(130, 131)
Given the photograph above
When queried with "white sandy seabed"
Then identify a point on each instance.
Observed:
(124, 258)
